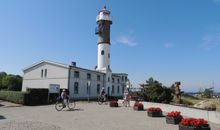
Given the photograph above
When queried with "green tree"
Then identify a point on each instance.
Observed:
(12, 82)
(2, 75)
(154, 91)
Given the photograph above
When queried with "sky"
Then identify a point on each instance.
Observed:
(169, 40)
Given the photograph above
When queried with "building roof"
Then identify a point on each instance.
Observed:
(119, 74)
(46, 61)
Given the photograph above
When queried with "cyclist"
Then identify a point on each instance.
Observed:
(103, 94)
(127, 96)
(64, 97)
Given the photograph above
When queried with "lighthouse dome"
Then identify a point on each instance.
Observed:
(103, 14)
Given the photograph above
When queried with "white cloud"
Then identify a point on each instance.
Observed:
(126, 40)
(168, 45)
(211, 41)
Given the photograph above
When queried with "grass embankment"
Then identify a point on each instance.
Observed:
(190, 100)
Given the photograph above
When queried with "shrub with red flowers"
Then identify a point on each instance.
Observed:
(154, 109)
(174, 114)
(194, 122)
(173, 117)
(138, 104)
(114, 103)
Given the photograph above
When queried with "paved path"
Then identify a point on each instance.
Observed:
(86, 116)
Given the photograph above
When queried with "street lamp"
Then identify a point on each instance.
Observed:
(88, 90)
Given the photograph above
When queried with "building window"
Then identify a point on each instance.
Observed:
(98, 78)
(88, 76)
(126, 78)
(118, 81)
(122, 78)
(118, 89)
(42, 73)
(108, 79)
(76, 74)
(102, 52)
(108, 55)
(76, 88)
(113, 80)
(98, 88)
(45, 73)
(113, 88)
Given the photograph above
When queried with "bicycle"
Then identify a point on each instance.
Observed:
(101, 99)
(70, 104)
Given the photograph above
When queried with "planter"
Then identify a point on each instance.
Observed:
(138, 108)
(113, 104)
(183, 127)
(173, 119)
(154, 113)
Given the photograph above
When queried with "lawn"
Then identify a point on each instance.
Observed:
(190, 100)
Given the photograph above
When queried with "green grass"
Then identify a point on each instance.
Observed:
(190, 100)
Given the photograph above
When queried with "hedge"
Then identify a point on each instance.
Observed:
(13, 96)
(31, 97)
(37, 96)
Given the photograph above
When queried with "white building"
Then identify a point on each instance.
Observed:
(81, 82)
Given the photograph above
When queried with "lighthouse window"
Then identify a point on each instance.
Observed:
(102, 52)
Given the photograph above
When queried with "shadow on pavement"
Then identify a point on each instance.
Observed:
(77, 109)
(2, 117)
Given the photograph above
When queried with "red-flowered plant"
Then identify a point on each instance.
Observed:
(174, 114)
(194, 122)
(114, 102)
(138, 104)
(154, 109)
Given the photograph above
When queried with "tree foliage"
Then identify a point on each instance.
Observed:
(154, 91)
(10, 82)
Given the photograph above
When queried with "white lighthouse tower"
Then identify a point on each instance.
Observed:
(103, 31)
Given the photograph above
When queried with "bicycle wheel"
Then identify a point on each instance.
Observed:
(100, 100)
(71, 104)
(59, 106)
(124, 103)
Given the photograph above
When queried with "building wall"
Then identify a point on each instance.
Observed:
(83, 83)
(33, 77)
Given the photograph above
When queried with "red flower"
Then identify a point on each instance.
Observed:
(194, 122)
(138, 104)
(174, 114)
(114, 102)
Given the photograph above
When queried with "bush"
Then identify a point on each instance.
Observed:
(37, 96)
(13, 96)
(154, 91)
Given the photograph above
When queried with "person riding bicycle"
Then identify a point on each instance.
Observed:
(103, 94)
(64, 97)
(127, 96)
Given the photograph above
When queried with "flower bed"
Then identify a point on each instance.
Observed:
(138, 106)
(173, 117)
(194, 124)
(113, 104)
(154, 112)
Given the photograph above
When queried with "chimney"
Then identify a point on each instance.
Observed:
(73, 63)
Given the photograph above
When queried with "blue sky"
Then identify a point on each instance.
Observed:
(172, 40)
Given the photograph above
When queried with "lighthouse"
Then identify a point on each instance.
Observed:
(104, 22)
(103, 31)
